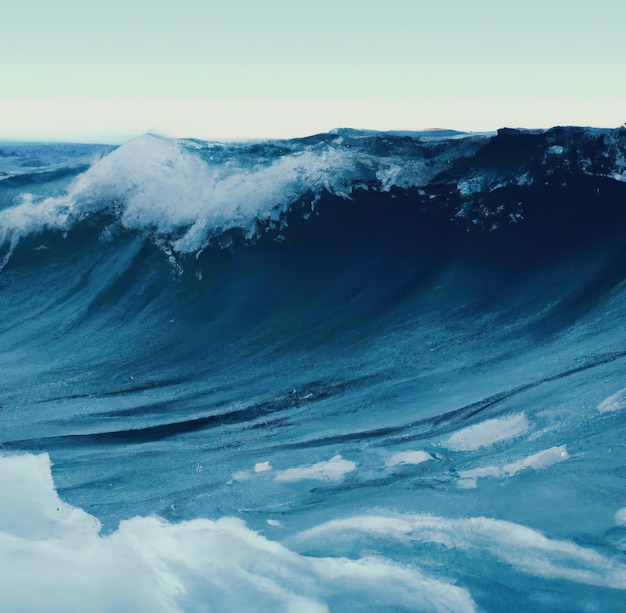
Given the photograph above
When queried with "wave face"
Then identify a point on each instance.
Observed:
(355, 371)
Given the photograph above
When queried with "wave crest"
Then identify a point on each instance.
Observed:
(186, 192)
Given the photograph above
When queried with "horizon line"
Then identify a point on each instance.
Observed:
(123, 138)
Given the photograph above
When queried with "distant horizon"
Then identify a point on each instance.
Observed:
(123, 139)
(117, 121)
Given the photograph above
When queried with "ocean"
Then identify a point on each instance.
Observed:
(357, 371)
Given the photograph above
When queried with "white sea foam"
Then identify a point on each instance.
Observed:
(527, 550)
(487, 433)
(620, 517)
(334, 469)
(408, 457)
(262, 467)
(536, 461)
(240, 475)
(53, 559)
(556, 150)
(163, 186)
(616, 402)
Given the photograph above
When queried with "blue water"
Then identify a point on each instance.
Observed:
(353, 372)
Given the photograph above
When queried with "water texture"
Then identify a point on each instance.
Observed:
(356, 371)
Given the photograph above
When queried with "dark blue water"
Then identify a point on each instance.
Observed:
(355, 372)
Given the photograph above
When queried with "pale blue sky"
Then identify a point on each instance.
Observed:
(241, 68)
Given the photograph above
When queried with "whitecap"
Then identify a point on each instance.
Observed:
(616, 402)
(487, 433)
(334, 469)
(526, 549)
(536, 461)
(408, 457)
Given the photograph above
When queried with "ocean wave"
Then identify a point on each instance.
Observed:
(353, 371)
(188, 193)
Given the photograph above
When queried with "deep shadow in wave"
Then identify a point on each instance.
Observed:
(330, 281)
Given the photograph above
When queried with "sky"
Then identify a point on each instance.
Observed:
(235, 69)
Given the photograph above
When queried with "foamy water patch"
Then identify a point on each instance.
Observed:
(536, 461)
(334, 469)
(410, 457)
(616, 402)
(262, 467)
(168, 187)
(488, 432)
(53, 558)
(527, 550)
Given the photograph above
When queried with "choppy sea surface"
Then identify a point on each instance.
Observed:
(356, 371)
